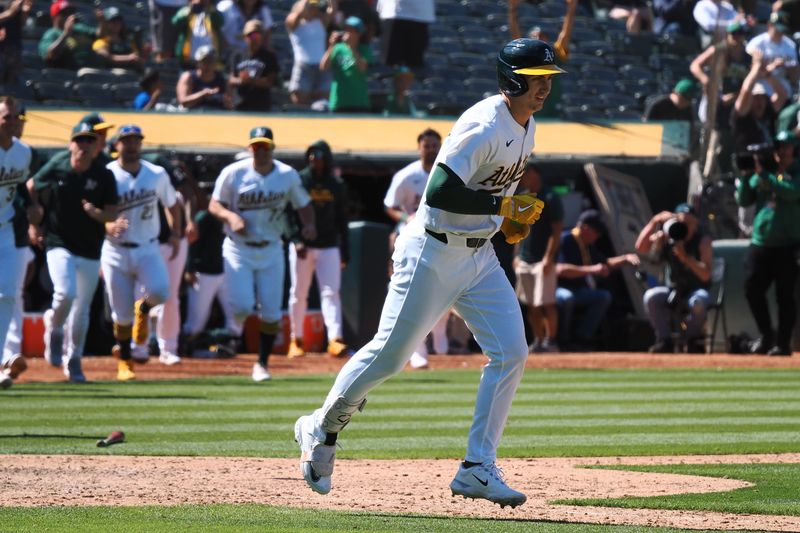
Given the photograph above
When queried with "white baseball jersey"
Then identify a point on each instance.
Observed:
(260, 200)
(785, 49)
(407, 188)
(138, 200)
(14, 164)
(487, 149)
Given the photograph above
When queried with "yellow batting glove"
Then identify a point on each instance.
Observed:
(514, 231)
(525, 208)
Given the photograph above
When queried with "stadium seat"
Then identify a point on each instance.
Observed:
(22, 91)
(124, 93)
(444, 108)
(479, 45)
(96, 78)
(581, 114)
(474, 30)
(618, 99)
(94, 95)
(480, 85)
(621, 113)
(58, 74)
(579, 100)
(599, 71)
(53, 90)
(596, 86)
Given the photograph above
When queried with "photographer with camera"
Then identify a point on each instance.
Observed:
(774, 190)
(678, 240)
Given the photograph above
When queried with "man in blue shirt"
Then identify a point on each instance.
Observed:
(580, 264)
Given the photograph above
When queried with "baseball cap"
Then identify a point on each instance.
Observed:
(684, 208)
(97, 122)
(780, 20)
(83, 129)
(251, 26)
(111, 13)
(760, 88)
(59, 7)
(261, 134)
(204, 52)
(593, 219)
(737, 26)
(354, 22)
(685, 87)
(129, 130)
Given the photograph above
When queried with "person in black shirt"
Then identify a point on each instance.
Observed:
(12, 20)
(688, 259)
(535, 265)
(78, 196)
(204, 87)
(676, 105)
(327, 254)
(254, 74)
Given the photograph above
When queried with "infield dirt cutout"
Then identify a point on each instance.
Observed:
(405, 487)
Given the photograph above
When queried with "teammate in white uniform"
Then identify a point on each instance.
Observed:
(402, 201)
(250, 197)
(15, 160)
(130, 252)
(441, 260)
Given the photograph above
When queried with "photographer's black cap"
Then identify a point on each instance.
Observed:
(593, 219)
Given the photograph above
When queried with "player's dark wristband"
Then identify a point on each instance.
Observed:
(447, 191)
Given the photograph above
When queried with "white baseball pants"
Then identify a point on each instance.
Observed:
(169, 313)
(200, 298)
(254, 276)
(74, 282)
(441, 345)
(9, 275)
(327, 263)
(123, 268)
(429, 278)
(13, 344)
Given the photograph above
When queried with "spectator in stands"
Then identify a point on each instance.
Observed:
(674, 17)
(779, 59)
(115, 44)
(734, 68)
(635, 13)
(324, 255)
(579, 265)
(713, 17)
(68, 43)
(151, 91)
(774, 190)
(236, 14)
(204, 87)
(404, 31)
(678, 240)
(753, 118)
(348, 59)
(197, 25)
(535, 264)
(792, 10)
(163, 34)
(676, 105)
(12, 20)
(399, 102)
(561, 48)
(307, 25)
(254, 72)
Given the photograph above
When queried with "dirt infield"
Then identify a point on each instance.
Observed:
(104, 368)
(32, 480)
(119, 480)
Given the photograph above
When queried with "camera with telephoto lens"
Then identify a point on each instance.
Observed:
(764, 154)
(675, 230)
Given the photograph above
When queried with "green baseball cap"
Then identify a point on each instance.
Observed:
(261, 134)
(96, 121)
(83, 129)
(780, 20)
(685, 87)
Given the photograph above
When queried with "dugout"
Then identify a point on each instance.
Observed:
(368, 151)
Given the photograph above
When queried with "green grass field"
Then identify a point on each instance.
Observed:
(415, 415)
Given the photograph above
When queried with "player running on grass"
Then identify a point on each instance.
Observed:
(441, 260)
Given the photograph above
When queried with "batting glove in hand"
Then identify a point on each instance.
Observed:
(514, 231)
(525, 208)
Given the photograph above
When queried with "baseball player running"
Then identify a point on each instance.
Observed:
(15, 160)
(440, 261)
(402, 201)
(250, 197)
(79, 196)
(326, 255)
(131, 251)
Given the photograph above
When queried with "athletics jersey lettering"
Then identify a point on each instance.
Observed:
(260, 200)
(132, 199)
(503, 177)
(12, 176)
(14, 164)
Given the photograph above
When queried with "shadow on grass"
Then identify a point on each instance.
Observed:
(110, 397)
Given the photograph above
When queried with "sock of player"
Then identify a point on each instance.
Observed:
(265, 347)
(123, 336)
